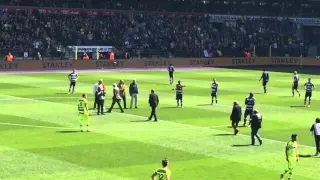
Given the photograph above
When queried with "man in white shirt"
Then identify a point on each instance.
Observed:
(315, 129)
(95, 89)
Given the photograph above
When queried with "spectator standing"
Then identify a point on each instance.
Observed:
(315, 129)
(134, 91)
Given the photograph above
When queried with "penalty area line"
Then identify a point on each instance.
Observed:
(109, 129)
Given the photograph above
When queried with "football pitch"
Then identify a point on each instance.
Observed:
(40, 138)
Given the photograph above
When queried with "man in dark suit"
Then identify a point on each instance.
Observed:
(154, 102)
(100, 96)
(255, 124)
(116, 99)
(235, 116)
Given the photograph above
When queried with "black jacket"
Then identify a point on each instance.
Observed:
(133, 89)
(153, 100)
(100, 95)
(236, 113)
(256, 121)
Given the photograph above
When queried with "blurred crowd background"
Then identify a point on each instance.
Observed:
(167, 28)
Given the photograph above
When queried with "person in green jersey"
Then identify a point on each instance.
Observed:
(84, 112)
(162, 173)
(291, 155)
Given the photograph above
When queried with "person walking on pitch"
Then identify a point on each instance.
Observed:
(292, 156)
(250, 101)
(295, 83)
(122, 89)
(116, 99)
(84, 112)
(235, 116)
(265, 79)
(255, 125)
(73, 77)
(171, 72)
(163, 173)
(315, 129)
(153, 102)
(309, 87)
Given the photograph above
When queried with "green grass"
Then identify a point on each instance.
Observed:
(40, 138)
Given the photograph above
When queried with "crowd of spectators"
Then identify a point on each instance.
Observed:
(144, 33)
(270, 7)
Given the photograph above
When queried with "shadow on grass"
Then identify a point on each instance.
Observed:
(297, 106)
(140, 121)
(172, 107)
(306, 156)
(68, 131)
(204, 105)
(258, 93)
(224, 134)
(61, 93)
(241, 145)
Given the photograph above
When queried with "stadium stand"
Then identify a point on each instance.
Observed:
(146, 33)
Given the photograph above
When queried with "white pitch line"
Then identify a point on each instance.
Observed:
(109, 129)
(191, 126)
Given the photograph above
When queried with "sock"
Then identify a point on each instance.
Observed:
(245, 120)
(177, 103)
(216, 101)
(72, 89)
(69, 89)
(292, 93)
(212, 101)
(309, 101)
(305, 100)
(181, 103)
(265, 88)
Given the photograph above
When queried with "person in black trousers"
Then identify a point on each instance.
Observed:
(153, 102)
(235, 116)
(255, 124)
(100, 95)
(116, 99)
(315, 129)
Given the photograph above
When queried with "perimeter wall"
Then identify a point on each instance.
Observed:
(25, 65)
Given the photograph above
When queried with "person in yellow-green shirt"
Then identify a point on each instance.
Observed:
(292, 155)
(84, 112)
(163, 173)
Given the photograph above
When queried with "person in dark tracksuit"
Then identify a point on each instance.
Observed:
(171, 71)
(235, 116)
(100, 96)
(153, 102)
(315, 129)
(265, 79)
(255, 126)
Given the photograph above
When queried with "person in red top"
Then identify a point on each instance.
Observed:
(9, 57)
(85, 56)
(111, 58)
